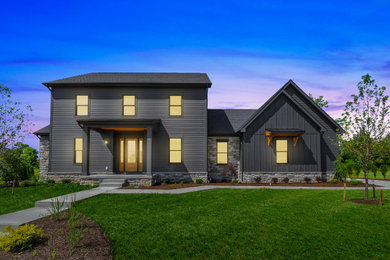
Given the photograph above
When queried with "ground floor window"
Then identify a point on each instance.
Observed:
(222, 148)
(281, 151)
(175, 150)
(78, 147)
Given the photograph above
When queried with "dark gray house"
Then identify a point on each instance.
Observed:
(147, 127)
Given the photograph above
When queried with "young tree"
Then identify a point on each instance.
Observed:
(12, 166)
(320, 101)
(14, 123)
(366, 122)
(29, 153)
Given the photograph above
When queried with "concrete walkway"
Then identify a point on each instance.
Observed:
(41, 207)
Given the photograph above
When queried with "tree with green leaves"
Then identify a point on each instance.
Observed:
(320, 101)
(12, 166)
(14, 123)
(366, 123)
(29, 153)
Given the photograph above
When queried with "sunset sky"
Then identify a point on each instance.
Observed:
(249, 49)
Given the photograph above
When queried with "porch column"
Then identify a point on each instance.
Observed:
(86, 141)
(149, 135)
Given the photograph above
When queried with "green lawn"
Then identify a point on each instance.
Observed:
(25, 197)
(255, 224)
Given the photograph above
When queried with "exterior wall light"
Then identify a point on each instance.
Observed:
(106, 142)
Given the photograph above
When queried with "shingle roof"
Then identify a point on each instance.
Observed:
(135, 79)
(227, 121)
(43, 131)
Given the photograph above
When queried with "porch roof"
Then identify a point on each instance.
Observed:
(118, 123)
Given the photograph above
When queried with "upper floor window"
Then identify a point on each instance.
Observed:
(281, 151)
(82, 105)
(78, 150)
(222, 148)
(175, 150)
(175, 106)
(129, 105)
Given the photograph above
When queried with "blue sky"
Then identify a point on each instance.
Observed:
(248, 48)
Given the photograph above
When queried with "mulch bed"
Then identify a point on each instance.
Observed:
(362, 201)
(187, 185)
(94, 244)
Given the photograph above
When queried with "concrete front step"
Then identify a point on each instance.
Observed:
(115, 183)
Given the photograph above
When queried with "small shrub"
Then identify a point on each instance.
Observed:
(173, 185)
(334, 181)
(66, 181)
(56, 206)
(318, 179)
(21, 238)
(3, 183)
(50, 181)
(258, 179)
(76, 226)
(274, 180)
(286, 180)
(199, 181)
(165, 181)
(307, 180)
(235, 181)
(27, 183)
(355, 182)
(183, 181)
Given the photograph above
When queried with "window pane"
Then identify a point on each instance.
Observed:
(222, 147)
(222, 158)
(82, 110)
(129, 100)
(82, 100)
(175, 144)
(122, 149)
(281, 145)
(175, 157)
(78, 144)
(281, 157)
(175, 110)
(79, 156)
(140, 151)
(129, 110)
(175, 101)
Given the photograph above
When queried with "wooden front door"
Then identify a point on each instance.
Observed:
(131, 155)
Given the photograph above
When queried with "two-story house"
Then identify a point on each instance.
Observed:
(147, 127)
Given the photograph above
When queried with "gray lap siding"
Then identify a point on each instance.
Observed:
(151, 103)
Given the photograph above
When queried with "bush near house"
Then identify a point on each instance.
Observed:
(21, 238)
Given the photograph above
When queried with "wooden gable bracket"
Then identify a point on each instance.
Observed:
(271, 136)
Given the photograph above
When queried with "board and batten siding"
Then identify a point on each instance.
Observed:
(282, 113)
(151, 103)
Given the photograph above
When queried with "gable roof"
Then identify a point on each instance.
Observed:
(226, 121)
(119, 78)
(282, 91)
(43, 131)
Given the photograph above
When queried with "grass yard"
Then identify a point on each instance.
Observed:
(256, 224)
(25, 197)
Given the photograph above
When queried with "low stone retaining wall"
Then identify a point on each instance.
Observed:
(249, 177)
(158, 177)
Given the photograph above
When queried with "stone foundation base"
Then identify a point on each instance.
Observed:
(293, 177)
(173, 177)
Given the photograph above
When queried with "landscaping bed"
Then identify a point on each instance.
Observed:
(187, 185)
(93, 245)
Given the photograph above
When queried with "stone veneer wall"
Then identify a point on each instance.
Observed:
(249, 177)
(216, 171)
(158, 177)
(44, 149)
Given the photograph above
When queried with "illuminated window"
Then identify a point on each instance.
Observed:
(128, 105)
(82, 105)
(175, 106)
(78, 148)
(175, 150)
(222, 148)
(281, 151)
